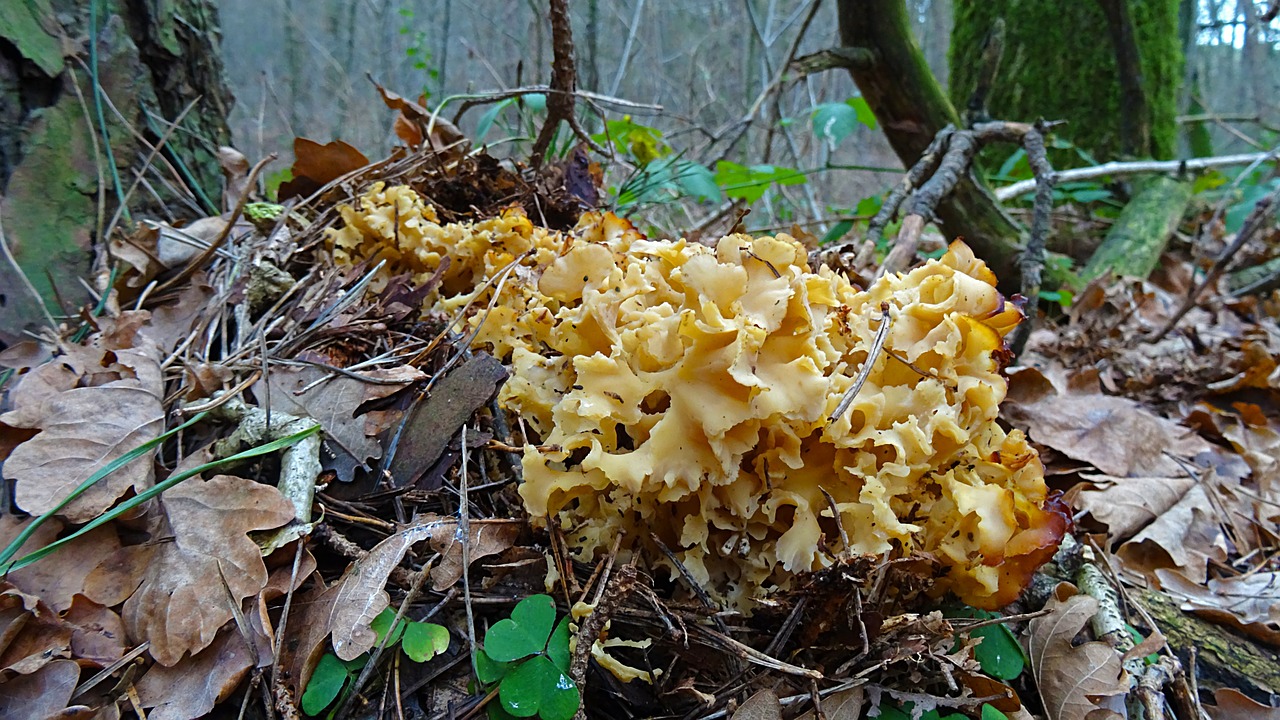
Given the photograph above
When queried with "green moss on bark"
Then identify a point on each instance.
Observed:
(1059, 64)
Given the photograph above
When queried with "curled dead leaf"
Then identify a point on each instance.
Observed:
(1073, 679)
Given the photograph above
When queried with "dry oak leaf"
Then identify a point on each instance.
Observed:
(1187, 536)
(1235, 705)
(333, 402)
(81, 430)
(31, 634)
(57, 578)
(41, 695)
(1114, 434)
(189, 583)
(194, 686)
(1249, 604)
(98, 636)
(1128, 504)
(1073, 678)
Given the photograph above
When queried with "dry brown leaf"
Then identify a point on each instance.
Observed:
(414, 119)
(488, 537)
(277, 586)
(1260, 448)
(1127, 504)
(194, 686)
(47, 381)
(1072, 678)
(97, 633)
(843, 705)
(177, 246)
(317, 165)
(40, 695)
(57, 578)
(170, 324)
(764, 705)
(304, 640)
(362, 595)
(1114, 434)
(1235, 705)
(81, 430)
(1248, 603)
(183, 599)
(333, 402)
(31, 634)
(1186, 537)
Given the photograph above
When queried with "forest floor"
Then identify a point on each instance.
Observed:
(343, 532)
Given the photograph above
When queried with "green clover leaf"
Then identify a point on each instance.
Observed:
(538, 687)
(423, 641)
(326, 682)
(523, 634)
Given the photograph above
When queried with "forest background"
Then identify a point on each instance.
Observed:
(300, 69)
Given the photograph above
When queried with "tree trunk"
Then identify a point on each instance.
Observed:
(68, 154)
(1058, 65)
(911, 107)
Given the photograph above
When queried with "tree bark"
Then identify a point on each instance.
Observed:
(912, 109)
(62, 146)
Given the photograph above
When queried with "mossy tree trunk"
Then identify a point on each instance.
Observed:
(911, 107)
(1111, 69)
(65, 148)
(1060, 63)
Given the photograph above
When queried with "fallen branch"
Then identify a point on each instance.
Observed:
(1140, 167)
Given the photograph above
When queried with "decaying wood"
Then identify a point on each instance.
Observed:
(1225, 659)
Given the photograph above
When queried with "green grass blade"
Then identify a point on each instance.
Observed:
(106, 470)
(155, 490)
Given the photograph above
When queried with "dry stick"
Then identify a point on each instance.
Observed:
(284, 622)
(1142, 167)
(201, 259)
(835, 513)
(924, 167)
(1032, 261)
(1257, 219)
(464, 527)
(750, 654)
(560, 104)
(876, 345)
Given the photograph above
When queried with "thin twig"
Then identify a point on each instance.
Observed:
(1258, 218)
(872, 355)
(1141, 167)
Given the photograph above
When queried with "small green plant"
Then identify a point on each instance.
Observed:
(750, 182)
(419, 641)
(417, 52)
(833, 122)
(527, 657)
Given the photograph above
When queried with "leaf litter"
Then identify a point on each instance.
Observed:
(1168, 451)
